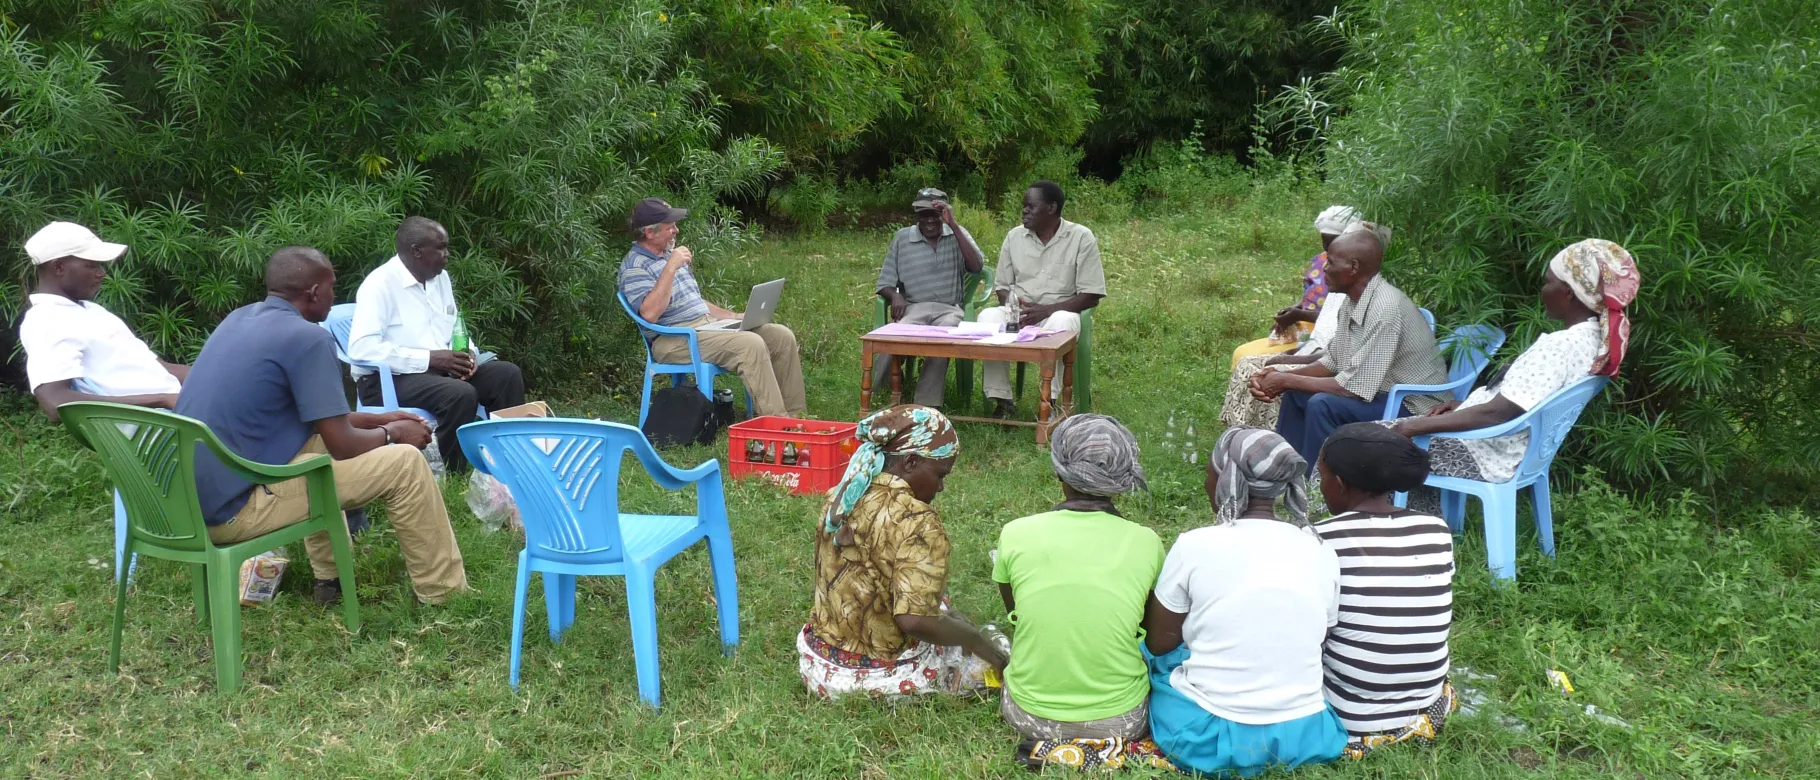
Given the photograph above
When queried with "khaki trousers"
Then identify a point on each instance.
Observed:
(997, 377)
(932, 378)
(765, 358)
(396, 474)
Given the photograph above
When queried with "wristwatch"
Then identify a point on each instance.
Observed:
(388, 434)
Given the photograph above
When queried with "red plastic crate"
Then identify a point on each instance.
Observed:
(828, 452)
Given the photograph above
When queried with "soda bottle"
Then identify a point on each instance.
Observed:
(771, 452)
(802, 456)
(458, 341)
(755, 451)
(789, 453)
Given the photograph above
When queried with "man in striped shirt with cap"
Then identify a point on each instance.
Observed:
(922, 280)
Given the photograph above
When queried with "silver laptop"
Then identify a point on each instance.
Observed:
(759, 308)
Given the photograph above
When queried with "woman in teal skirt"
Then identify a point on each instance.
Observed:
(1235, 627)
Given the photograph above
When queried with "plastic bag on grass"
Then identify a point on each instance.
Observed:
(433, 454)
(259, 577)
(492, 502)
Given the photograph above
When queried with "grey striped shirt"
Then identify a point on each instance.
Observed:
(927, 274)
(1383, 341)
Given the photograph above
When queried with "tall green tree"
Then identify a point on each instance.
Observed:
(1492, 135)
(207, 133)
(1167, 67)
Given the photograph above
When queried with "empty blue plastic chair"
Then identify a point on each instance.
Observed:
(1547, 424)
(564, 476)
(340, 321)
(1472, 347)
(700, 370)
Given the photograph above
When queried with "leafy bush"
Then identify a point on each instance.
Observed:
(1170, 70)
(1493, 135)
(206, 134)
(808, 75)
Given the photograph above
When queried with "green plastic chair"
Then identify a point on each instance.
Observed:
(975, 292)
(150, 455)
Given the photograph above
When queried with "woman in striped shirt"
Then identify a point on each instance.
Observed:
(1386, 660)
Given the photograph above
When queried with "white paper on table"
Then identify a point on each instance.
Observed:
(1002, 338)
(979, 328)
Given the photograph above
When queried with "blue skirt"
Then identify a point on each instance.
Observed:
(1199, 741)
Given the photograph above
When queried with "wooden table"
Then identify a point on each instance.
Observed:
(1044, 351)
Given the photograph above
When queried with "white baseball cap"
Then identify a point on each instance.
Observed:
(68, 239)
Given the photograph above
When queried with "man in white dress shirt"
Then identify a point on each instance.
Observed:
(76, 350)
(404, 317)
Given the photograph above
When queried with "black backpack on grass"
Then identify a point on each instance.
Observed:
(681, 415)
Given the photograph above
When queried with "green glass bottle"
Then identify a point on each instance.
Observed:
(459, 340)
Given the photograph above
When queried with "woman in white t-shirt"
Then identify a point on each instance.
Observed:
(1386, 660)
(1235, 626)
(1586, 288)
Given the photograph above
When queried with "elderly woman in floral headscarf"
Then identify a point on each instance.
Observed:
(881, 566)
(1233, 633)
(1586, 288)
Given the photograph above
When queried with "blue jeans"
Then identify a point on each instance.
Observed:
(1305, 420)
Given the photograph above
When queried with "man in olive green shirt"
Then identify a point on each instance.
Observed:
(1048, 273)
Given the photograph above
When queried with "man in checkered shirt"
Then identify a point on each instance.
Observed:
(1382, 341)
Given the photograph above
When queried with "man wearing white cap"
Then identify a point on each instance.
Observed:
(76, 350)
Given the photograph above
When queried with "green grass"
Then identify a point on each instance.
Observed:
(1701, 636)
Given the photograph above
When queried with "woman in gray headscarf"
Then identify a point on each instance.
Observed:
(1074, 581)
(1234, 629)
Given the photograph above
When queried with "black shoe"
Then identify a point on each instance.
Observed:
(358, 522)
(1003, 409)
(327, 592)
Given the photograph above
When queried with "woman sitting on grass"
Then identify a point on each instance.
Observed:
(1386, 660)
(1074, 581)
(881, 566)
(1238, 618)
(1586, 288)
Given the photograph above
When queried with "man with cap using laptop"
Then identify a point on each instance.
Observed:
(76, 350)
(923, 277)
(655, 278)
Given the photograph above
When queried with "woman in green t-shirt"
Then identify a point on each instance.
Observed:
(1075, 580)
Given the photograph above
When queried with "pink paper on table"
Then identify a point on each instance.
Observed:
(924, 332)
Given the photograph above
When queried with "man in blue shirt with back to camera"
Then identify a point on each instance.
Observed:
(269, 386)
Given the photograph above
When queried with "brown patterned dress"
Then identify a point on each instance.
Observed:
(896, 565)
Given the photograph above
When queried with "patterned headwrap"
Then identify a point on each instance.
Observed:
(906, 429)
(1334, 220)
(1381, 232)
(1256, 462)
(1096, 455)
(1605, 278)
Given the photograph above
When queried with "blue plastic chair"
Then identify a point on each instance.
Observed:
(1429, 316)
(1472, 347)
(701, 370)
(121, 567)
(1547, 424)
(340, 322)
(564, 476)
